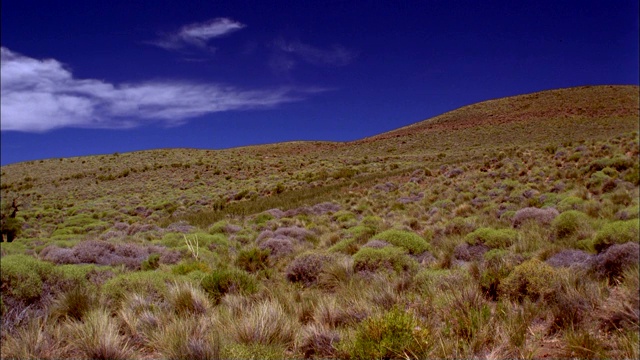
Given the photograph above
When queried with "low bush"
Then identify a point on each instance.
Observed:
(493, 238)
(615, 260)
(106, 253)
(151, 263)
(306, 268)
(533, 279)
(571, 258)
(497, 265)
(189, 266)
(393, 335)
(410, 241)
(24, 278)
(543, 216)
(277, 246)
(617, 232)
(570, 223)
(253, 259)
(388, 258)
(220, 282)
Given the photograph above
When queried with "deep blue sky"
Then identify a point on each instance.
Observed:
(94, 77)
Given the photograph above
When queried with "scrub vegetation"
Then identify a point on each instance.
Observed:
(504, 229)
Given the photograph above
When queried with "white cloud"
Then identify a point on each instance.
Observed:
(41, 95)
(334, 56)
(198, 34)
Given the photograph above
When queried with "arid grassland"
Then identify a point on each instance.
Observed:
(504, 229)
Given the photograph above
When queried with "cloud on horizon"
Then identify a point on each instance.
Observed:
(42, 95)
(198, 34)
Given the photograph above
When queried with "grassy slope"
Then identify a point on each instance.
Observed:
(440, 178)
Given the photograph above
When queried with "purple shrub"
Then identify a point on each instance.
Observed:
(276, 213)
(466, 252)
(58, 255)
(120, 226)
(105, 253)
(454, 172)
(306, 268)
(295, 232)
(278, 246)
(180, 227)
(542, 216)
(570, 258)
(612, 262)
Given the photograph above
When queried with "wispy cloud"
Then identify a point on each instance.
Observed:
(198, 34)
(287, 54)
(41, 95)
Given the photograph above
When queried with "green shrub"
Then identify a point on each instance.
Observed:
(493, 238)
(220, 282)
(394, 335)
(253, 259)
(348, 246)
(497, 265)
(344, 216)
(533, 279)
(361, 233)
(570, 223)
(189, 266)
(570, 203)
(151, 263)
(24, 277)
(410, 241)
(389, 258)
(617, 232)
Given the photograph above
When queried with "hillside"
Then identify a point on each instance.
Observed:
(506, 228)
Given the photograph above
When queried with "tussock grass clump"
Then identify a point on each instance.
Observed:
(616, 232)
(37, 340)
(621, 310)
(148, 283)
(533, 279)
(493, 238)
(188, 338)
(98, 337)
(220, 282)
(318, 341)
(74, 304)
(265, 323)
(186, 299)
(388, 258)
(410, 241)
